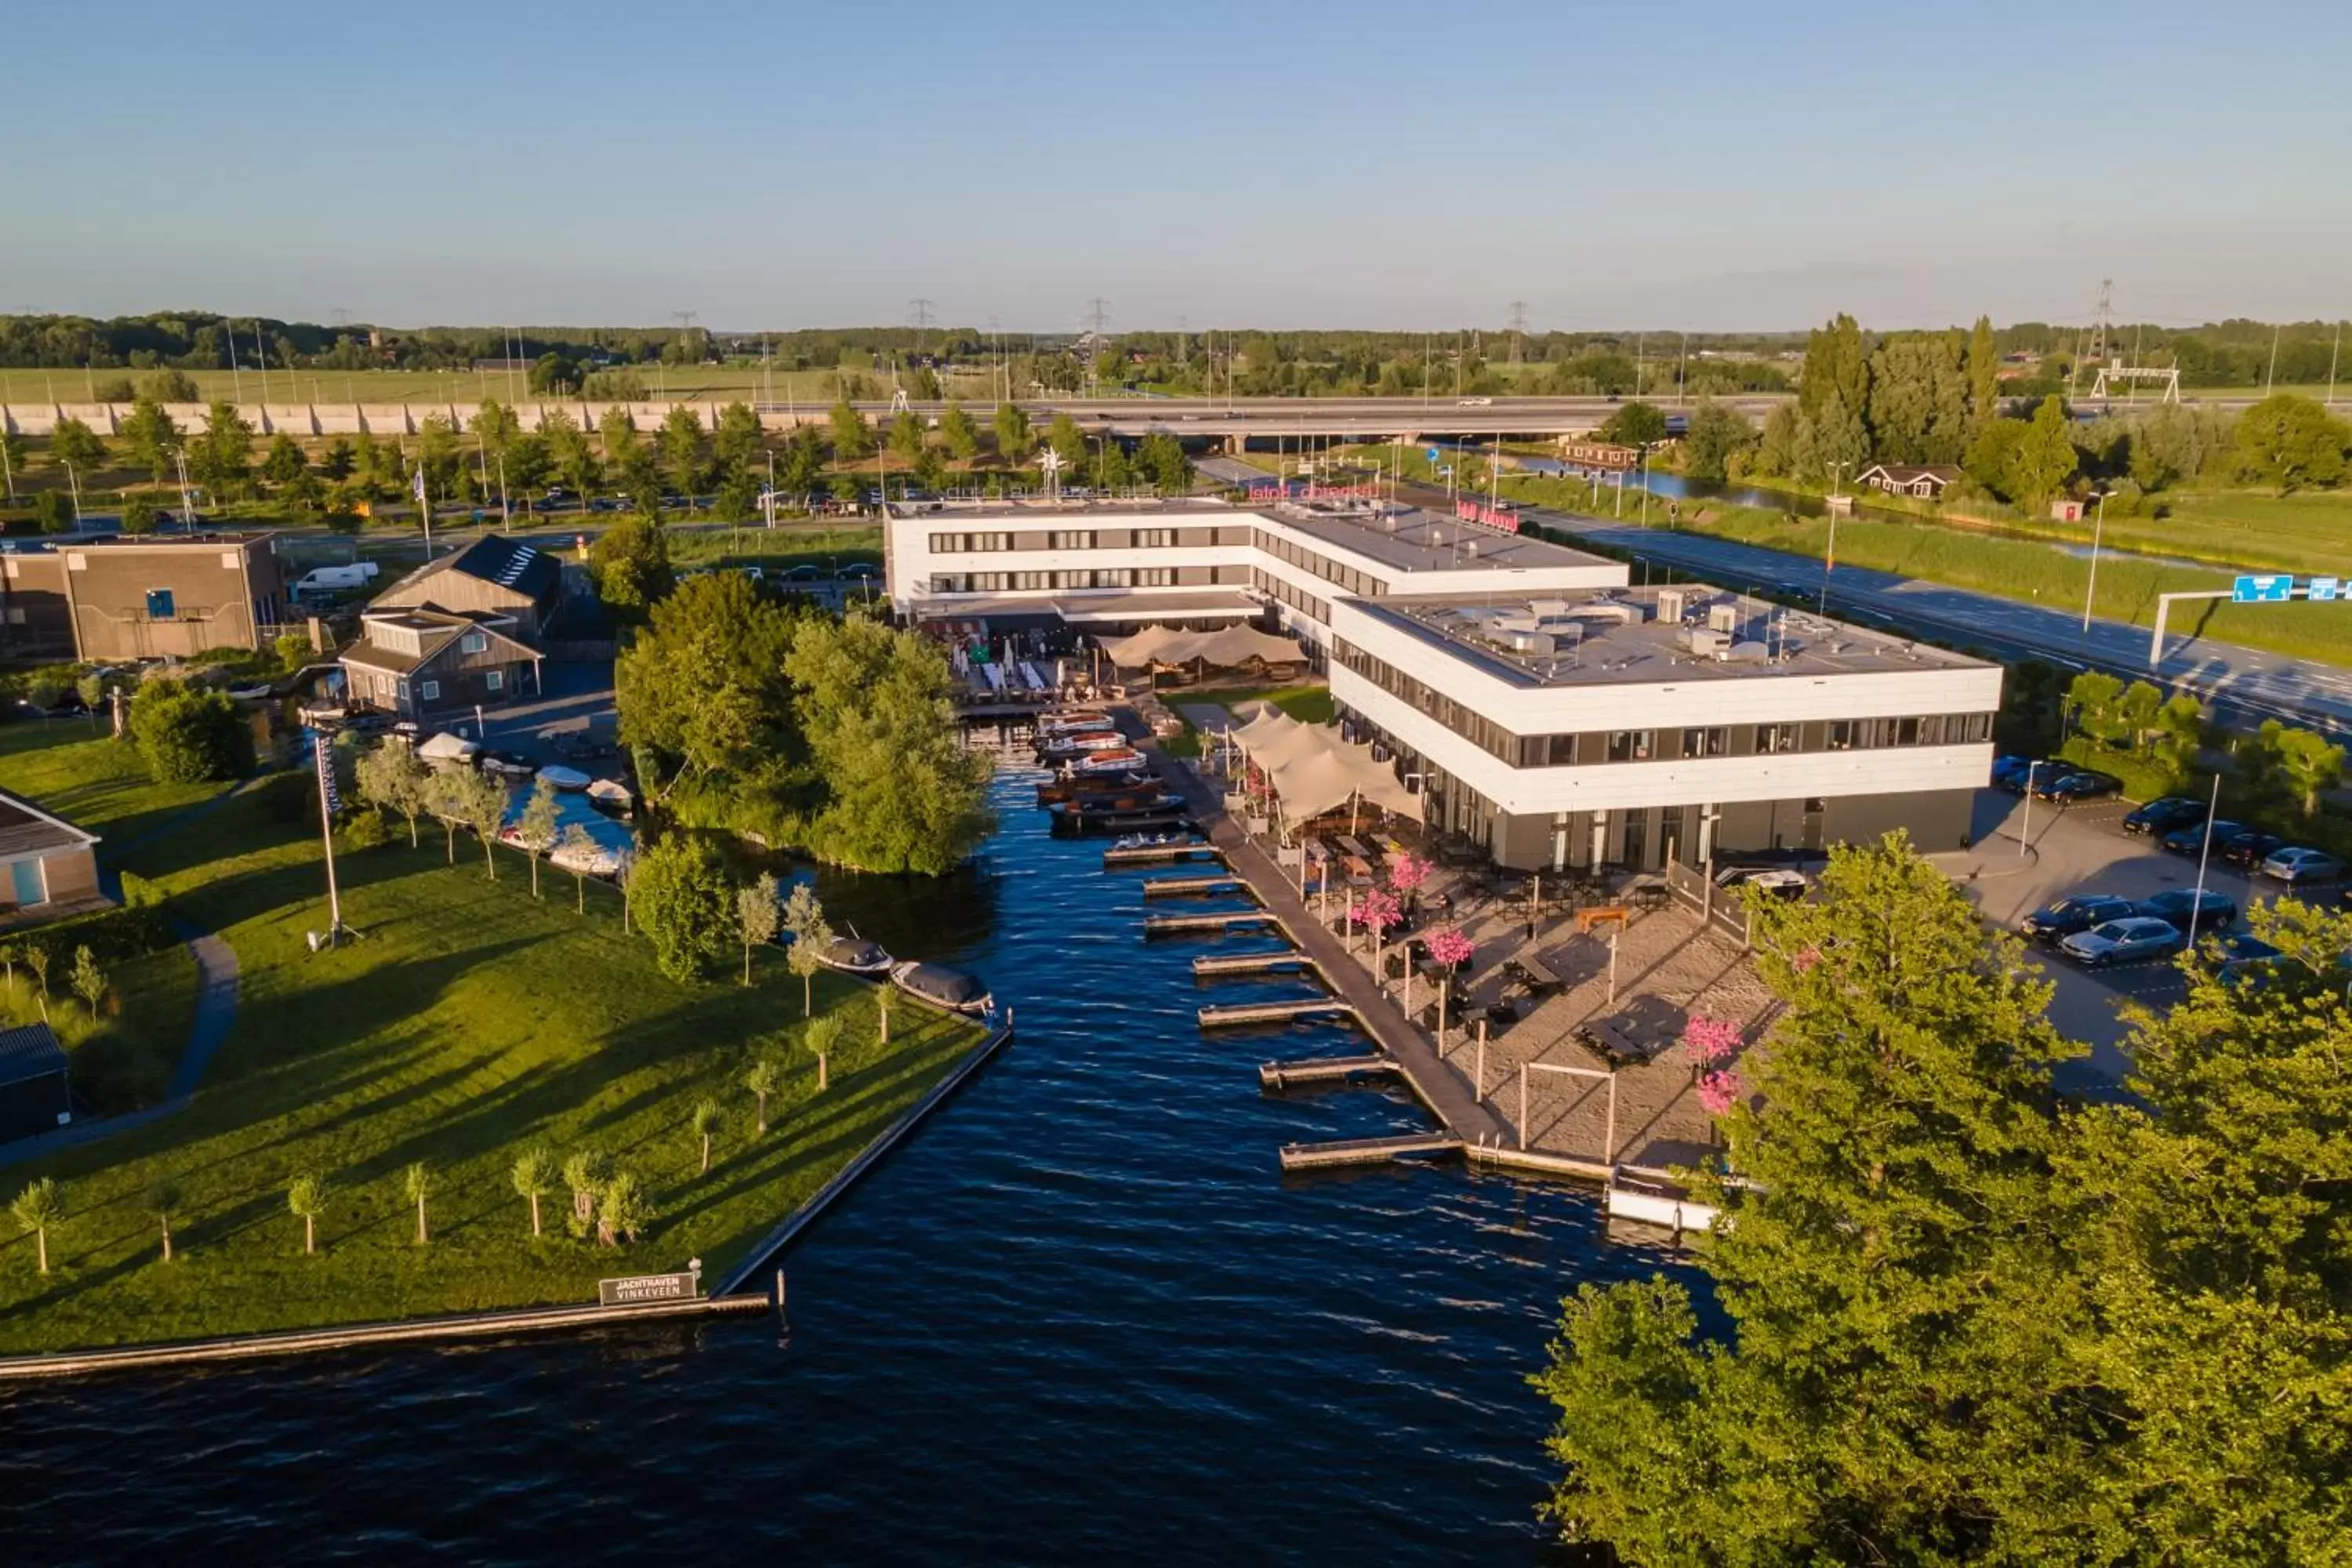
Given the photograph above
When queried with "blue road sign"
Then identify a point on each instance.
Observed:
(2322, 588)
(1433, 454)
(2263, 588)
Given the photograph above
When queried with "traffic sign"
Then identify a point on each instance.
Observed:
(2323, 588)
(1433, 454)
(2263, 588)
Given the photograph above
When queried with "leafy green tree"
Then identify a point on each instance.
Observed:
(685, 905)
(416, 1181)
(165, 1199)
(306, 1199)
(631, 462)
(37, 958)
(529, 465)
(1634, 424)
(1992, 456)
(169, 385)
(440, 456)
(681, 446)
(738, 497)
(630, 562)
(738, 442)
(846, 489)
(2290, 442)
(1014, 439)
(1777, 450)
(186, 734)
(852, 441)
(391, 778)
(539, 826)
(569, 451)
(625, 1210)
(555, 374)
(905, 795)
(806, 957)
(704, 683)
(149, 435)
(221, 459)
(1983, 370)
(823, 1038)
(1068, 442)
(2179, 731)
(88, 981)
(1877, 1265)
(707, 1120)
(959, 434)
(578, 846)
(756, 916)
(1716, 437)
(533, 1176)
(53, 512)
(475, 801)
(139, 514)
(763, 1078)
(2043, 460)
(2306, 762)
(1918, 410)
(494, 425)
(39, 1208)
(585, 1174)
(1162, 458)
(1836, 371)
(285, 462)
(75, 444)
(803, 465)
(907, 435)
(2094, 696)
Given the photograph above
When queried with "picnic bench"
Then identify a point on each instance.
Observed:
(1601, 914)
(1615, 1038)
(1534, 974)
(1649, 893)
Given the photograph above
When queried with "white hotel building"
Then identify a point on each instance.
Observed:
(1543, 707)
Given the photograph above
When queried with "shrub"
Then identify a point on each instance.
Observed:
(366, 829)
(186, 735)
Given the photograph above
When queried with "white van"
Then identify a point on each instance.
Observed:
(336, 579)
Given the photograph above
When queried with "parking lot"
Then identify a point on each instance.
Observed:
(2083, 850)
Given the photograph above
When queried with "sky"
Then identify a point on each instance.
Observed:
(1699, 167)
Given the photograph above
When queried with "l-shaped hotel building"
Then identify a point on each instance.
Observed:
(1544, 706)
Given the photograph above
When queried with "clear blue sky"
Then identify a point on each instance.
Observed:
(1271, 163)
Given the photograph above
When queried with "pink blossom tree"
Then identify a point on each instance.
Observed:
(1720, 1090)
(1447, 947)
(1407, 872)
(1712, 1041)
(1378, 912)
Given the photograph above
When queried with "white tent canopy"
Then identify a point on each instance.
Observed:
(1314, 771)
(1225, 647)
(446, 747)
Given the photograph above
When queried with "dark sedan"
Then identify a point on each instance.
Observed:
(2162, 816)
(2086, 783)
(2250, 849)
(2080, 912)
(2191, 840)
(2214, 910)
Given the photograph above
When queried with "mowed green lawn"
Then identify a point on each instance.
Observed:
(469, 1022)
(467, 388)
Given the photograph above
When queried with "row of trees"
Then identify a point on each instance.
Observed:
(2281, 769)
(1968, 1318)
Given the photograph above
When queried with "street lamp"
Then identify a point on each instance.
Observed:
(2098, 528)
(2025, 830)
(73, 478)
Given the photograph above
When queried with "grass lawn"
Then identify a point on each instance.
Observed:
(76, 768)
(786, 545)
(1307, 704)
(466, 389)
(469, 1022)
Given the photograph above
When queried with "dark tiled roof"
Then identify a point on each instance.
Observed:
(435, 628)
(26, 829)
(29, 1051)
(495, 558)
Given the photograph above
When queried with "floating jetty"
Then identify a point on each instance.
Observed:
(1209, 964)
(1158, 854)
(1322, 1070)
(1369, 1150)
(1164, 925)
(1189, 886)
(1273, 1011)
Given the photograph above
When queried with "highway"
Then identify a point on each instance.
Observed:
(2246, 684)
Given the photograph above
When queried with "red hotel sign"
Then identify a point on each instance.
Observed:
(1501, 519)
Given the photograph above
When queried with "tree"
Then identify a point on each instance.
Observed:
(1983, 370)
(416, 1181)
(756, 915)
(904, 794)
(163, 1201)
(1162, 458)
(1014, 439)
(822, 1037)
(462, 797)
(53, 512)
(149, 435)
(37, 1209)
(569, 452)
(2043, 458)
(1715, 436)
(630, 562)
(736, 445)
(1634, 424)
(578, 845)
(633, 461)
(707, 1120)
(2305, 762)
(169, 385)
(681, 446)
(884, 1000)
(852, 441)
(803, 462)
(306, 1199)
(440, 456)
(37, 958)
(705, 684)
(340, 460)
(539, 826)
(624, 1211)
(285, 462)
(88, 981)
(533, 1176)
(75, 445)
(139, 514)
(2290, 442)
(738, 497)
(186, 734)
(1068, 442)
(907, 435)
(1836, 373)
(222, 458)
(555, 374)
(683, 902)
(958, 434)
(584, 1177)
(392, 779)
(763, 1078)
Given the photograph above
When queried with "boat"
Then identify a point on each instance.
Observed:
(446, 747)
(853, 954)
(1080, 816)
(1156, 840)
(570, 779)
(1124, 759)
(1071, 719)
(1081, 742)
(1086, 786)
(593, 859)
(952, 989)
(611, 796)
(1119, 796)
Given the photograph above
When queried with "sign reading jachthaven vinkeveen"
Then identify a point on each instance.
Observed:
(638, 1289)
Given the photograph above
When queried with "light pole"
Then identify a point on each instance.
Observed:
(1837, 470)
(2197, 899)
(73, 478)
(2098, 529)
(2025, 831)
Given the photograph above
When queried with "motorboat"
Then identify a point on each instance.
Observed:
(853, 954)
(571, 781)
(1082, 741)
(591, 860)
(1156, 840)
(1087, 786)
(1139, 796)
(1070, 719)
(507, 764)
(1119, 760)
(942, 987)
(446, 747)
(611, 796)
(1082, 816)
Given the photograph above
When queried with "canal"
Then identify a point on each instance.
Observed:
(1079, 1317)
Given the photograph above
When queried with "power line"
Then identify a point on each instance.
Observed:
(920, 309)
(1518, 329)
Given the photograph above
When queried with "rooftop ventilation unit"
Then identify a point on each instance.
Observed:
(1671, 602)
(1705, 643)
(1746, 653)
(1537, 643)
(1723, 616)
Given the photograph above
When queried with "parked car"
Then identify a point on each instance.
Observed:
(2191, 839)
(2245, 960)
(2136, 940)
(579, 745)
(2249, 848)
(2078, 913)
(2298, 864)
(2214, 910)
(1778, 882)
(2161, 817)
(2011, 773)
(2088, 784)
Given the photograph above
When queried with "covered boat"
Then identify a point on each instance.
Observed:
(1081, 741)
(1086, 816)
(568, 779)
(1119, 760)
(446, 747)
(853, 954)
(1087, 786)
(942, 987)
(610, 796)
(1070, 719)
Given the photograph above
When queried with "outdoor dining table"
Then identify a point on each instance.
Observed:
(1612, 1040)
(1360, 870)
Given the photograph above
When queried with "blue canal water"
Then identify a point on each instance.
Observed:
(1080, 1317)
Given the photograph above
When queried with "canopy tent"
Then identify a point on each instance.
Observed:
(1313, 769)
(446, 747)
(1229, 646)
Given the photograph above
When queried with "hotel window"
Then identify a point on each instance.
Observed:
(1845, 735)
(1155, 576)
(1774, 738)
(1562, 749)
(1906, 732)
(494, 680)
(1707, 743)
(1155, 537)
(1074, 539)
(988, 541)
(1630, 745)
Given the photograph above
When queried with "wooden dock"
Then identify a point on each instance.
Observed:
(1273, 1011)
(1158, 854)
(1367, 1150)
(1191, 887)
(1211, 965)
(1223, 920)
(1322, 1070)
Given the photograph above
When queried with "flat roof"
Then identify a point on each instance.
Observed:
(1616, 637)
(1117, 604)
(1412, 540)
(1040, 509)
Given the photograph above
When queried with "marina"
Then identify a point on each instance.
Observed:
(1369, 1150)
(1240, 1012)
(1211, 965)
(1322, 1070)
(1172, 925)
(1190, 886)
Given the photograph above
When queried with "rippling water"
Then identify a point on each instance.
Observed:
(1080, 1317)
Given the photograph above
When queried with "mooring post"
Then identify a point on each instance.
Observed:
(1481, 1095)
(1523, 1105)
(1614, 932)
(1609, 1134)
(780, 1292)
